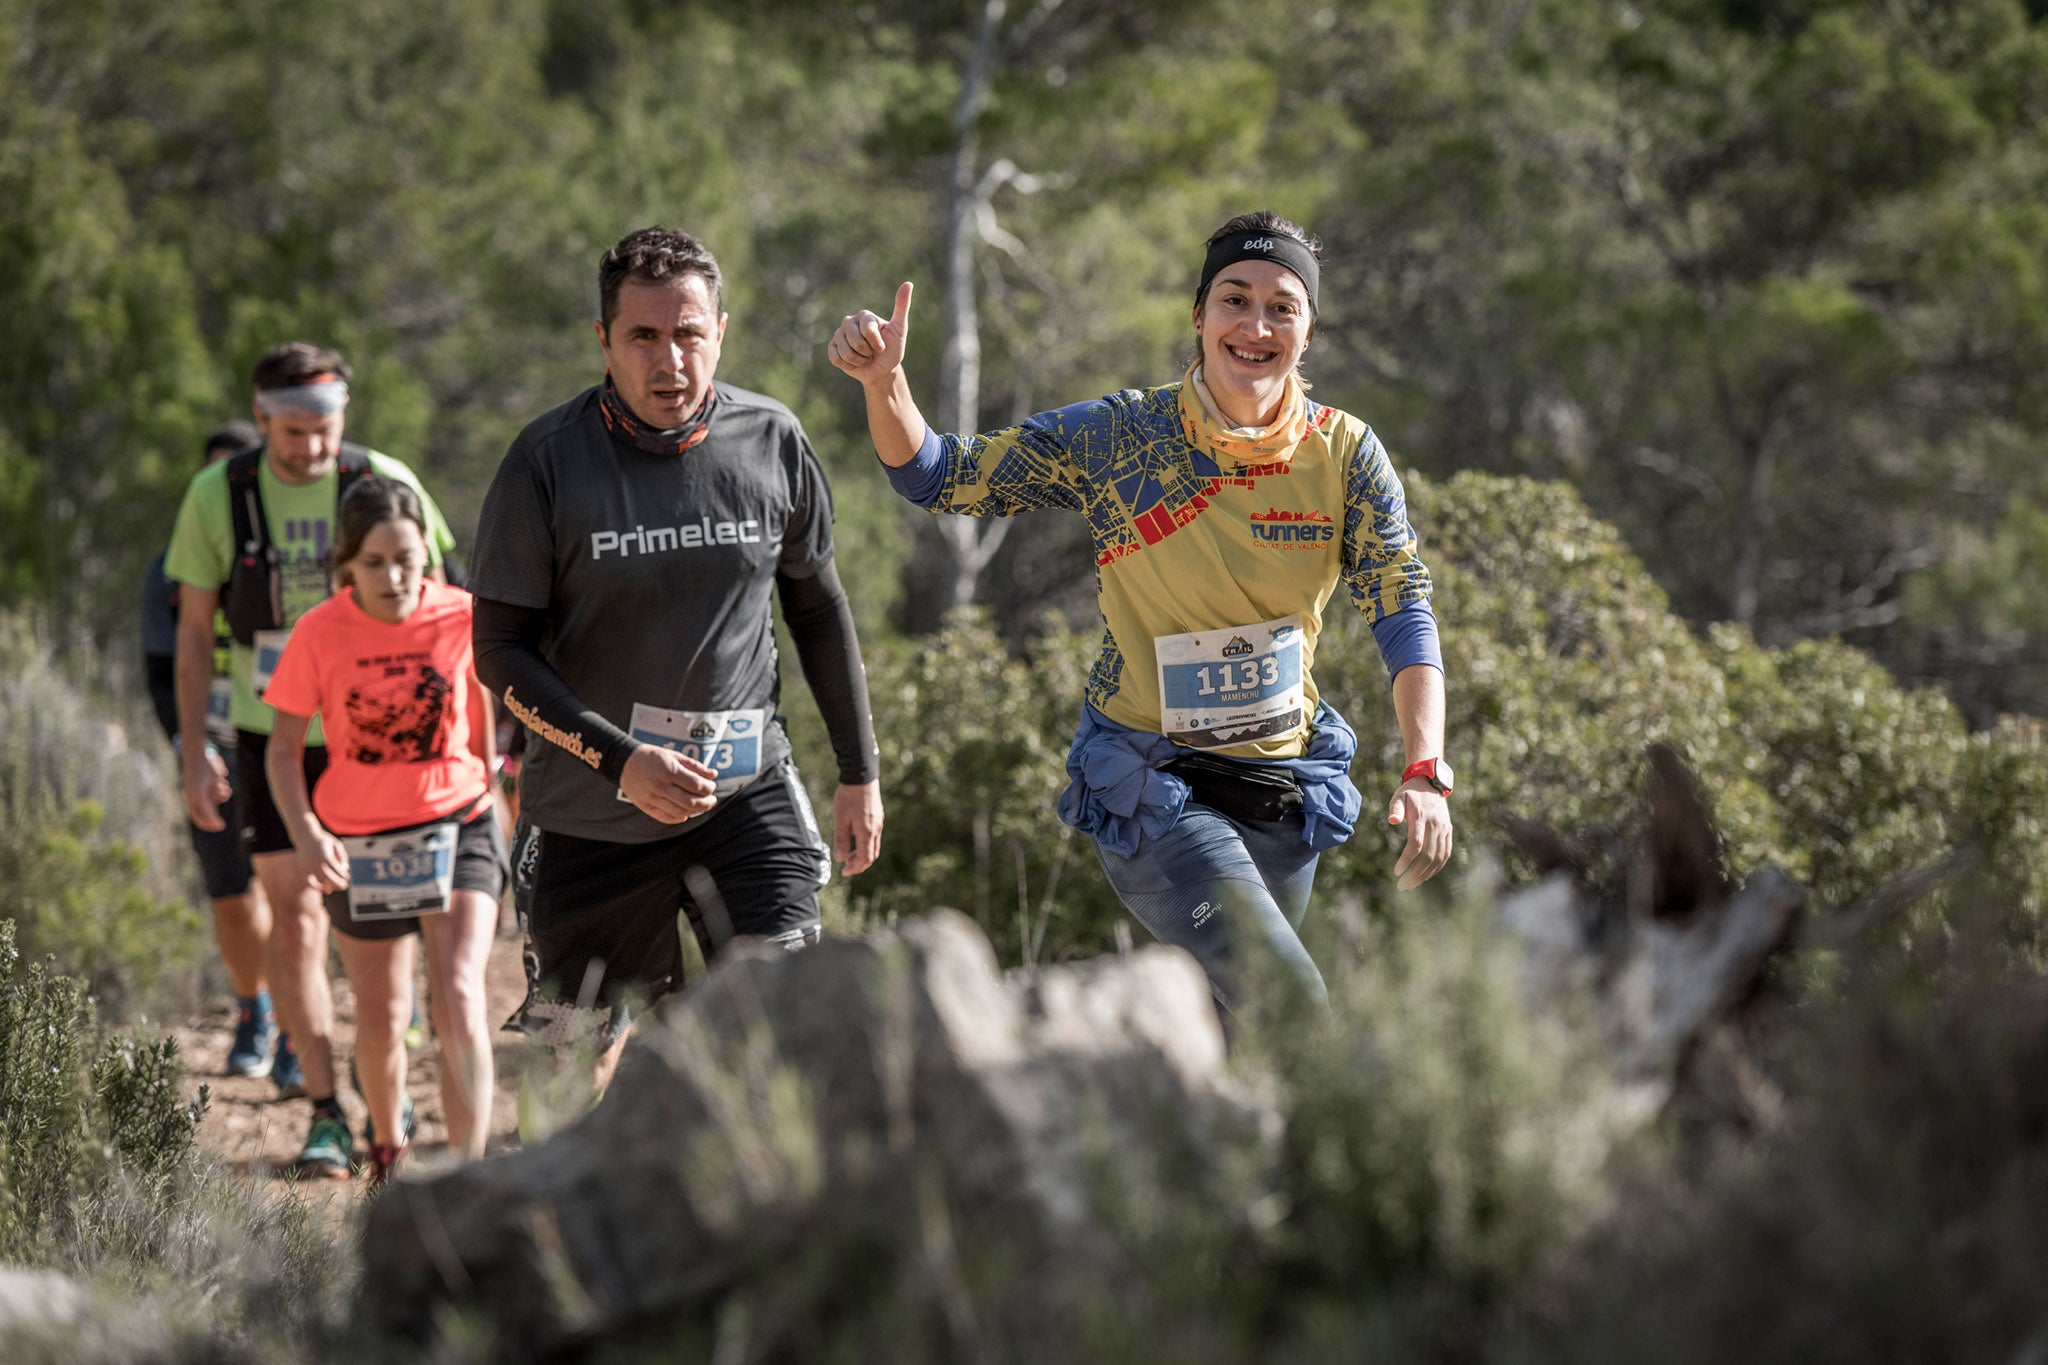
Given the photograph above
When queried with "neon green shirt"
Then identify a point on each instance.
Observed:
(301, 521)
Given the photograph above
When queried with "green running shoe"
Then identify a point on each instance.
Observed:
(329, 1151)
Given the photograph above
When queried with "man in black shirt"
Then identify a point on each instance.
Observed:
(624, 562)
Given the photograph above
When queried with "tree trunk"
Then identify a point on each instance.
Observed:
(971, 542)
(1753, 530)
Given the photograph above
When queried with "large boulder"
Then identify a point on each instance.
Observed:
(881, 1142)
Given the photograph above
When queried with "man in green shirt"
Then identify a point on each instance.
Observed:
(257, 529)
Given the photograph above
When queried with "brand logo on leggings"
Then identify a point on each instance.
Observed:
(1203, 912)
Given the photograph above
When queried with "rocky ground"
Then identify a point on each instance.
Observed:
(248, 1125)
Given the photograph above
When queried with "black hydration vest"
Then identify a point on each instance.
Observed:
(253, 597)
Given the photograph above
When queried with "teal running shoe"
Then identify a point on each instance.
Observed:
(329, 1153)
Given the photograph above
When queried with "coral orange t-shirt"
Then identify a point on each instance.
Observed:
(395, 702)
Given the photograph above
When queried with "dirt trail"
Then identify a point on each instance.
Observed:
(248, 1125)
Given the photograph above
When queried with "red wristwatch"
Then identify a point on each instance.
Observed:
(1434, 771)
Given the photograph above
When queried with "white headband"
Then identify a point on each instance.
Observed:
(320, 399)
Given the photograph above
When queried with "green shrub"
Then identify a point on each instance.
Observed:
(72, 1120)
(1866, 774)
(2004, 819)
(45, 1028)
(101, 1178)
(974, 748)
(1441, 1156)
(91, 872)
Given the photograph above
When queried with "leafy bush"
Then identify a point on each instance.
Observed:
(1564, 660)
(45, 1025)
(2004, 818)
(1440, 1159)
(974, 748)
(1865, 773)
(69, 1125)
(91, 872)
(101, 1179)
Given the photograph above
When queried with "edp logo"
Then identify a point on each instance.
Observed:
(1258, 244)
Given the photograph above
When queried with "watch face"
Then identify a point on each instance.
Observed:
(1441, 777)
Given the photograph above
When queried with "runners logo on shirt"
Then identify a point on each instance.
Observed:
(690, 535)
(1274, 529)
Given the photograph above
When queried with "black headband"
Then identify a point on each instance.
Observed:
(1276, 247)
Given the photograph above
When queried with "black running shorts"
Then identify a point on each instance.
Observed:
(223, 861)
(602, 916)
(479, 866)
(263, 828)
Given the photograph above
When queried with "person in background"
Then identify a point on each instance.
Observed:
(398, 835)
(241, 917)
(251, 542)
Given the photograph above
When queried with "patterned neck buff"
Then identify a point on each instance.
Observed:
(1203, 424)
(623, 423)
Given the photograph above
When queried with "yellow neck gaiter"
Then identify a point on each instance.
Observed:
(1236, 447)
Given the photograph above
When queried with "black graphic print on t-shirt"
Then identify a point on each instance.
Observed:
(402, 719)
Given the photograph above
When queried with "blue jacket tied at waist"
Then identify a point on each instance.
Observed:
(1119, 793)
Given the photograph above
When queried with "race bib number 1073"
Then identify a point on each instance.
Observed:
(727, 742)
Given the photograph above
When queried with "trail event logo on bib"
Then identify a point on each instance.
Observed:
(1231, 686)
(727, 742)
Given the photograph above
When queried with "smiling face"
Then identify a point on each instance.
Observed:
(386, 571)
(662, 347)
(1253, 326)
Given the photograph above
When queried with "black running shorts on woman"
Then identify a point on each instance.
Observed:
(603, 916)
(479, 866)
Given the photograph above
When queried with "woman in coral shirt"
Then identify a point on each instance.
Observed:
(399, 831)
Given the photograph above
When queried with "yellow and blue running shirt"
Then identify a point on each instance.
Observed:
(1188, 539)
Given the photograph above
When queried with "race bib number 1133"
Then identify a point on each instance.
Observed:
(1233, 685)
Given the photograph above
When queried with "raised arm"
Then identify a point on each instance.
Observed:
(870, 348)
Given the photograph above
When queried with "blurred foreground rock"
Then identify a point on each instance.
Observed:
(881, 1127)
